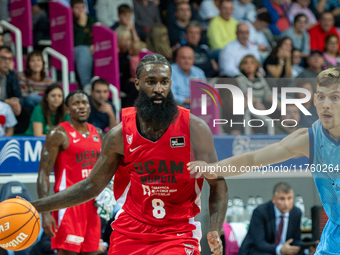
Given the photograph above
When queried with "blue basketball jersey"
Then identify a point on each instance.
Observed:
(324, 160)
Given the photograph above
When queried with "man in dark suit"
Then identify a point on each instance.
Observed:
(275, 226)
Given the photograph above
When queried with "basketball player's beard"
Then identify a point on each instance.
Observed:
(82, 120)
(159, 116)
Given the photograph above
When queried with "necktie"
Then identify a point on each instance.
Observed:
(279, 232)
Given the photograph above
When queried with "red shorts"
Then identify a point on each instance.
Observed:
(79, 228)
(142, 239)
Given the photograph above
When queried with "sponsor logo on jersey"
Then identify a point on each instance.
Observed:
(177, 142)
(158, 172)
(146, 190)
(72, 239)
(132, 150)
(76, 140)
(73, 134)
(93, 154)
(129, 138)
(95, 138)
(189, 251)
(150, 167)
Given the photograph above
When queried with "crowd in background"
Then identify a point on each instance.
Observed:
(242, 40)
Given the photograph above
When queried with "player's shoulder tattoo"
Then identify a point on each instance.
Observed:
(113, 139)
(56, 136)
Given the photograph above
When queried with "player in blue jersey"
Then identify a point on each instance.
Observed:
(320, 143)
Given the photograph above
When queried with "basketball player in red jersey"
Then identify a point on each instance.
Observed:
(151, 148)
(71, 149)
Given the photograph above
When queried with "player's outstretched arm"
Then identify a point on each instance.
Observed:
(101, 175)
(292, 146)
(203, 145)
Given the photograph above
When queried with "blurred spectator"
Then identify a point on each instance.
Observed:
(249, 77)
(292, 113)
(40, 23)
(83, 41)
(222, 28)
(171, 11)
(299, 35)
(320, 6)
(177, 28)
(182, 71)
(49, 113)
(10, 90)
(232, 54)
(124, 15)
(244, 10)
(135, 49)
(107, 11)
(146, 14)
(301, 7)
(314, 66)
(158, 41)
(88, 5)
(202, 59)
(208, 10)
(102, 113)
(127, 84)
(7, 119)
(1, 39)
(331, 52)
(279, 62)
(319, 32)
(33, 82)
(278, 13)
(4, 13)
(296, 60)
(256, 34)
(307, 120)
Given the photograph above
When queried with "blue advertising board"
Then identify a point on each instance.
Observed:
(20, 154)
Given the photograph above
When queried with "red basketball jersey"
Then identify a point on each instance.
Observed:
(75, 163)
(152, 183)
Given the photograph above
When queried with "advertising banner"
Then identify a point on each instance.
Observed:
(106, 63)
(62, 33)
(21, 17)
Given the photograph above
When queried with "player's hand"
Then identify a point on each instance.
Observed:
(106, 108)
(215, 243)
(289, 249)
(201, 168)
(48, 224)
(102, 248)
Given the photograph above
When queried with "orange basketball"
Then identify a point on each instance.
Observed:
(19, 224)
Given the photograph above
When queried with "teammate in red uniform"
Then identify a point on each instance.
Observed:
(151, 148)
(71, 149)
